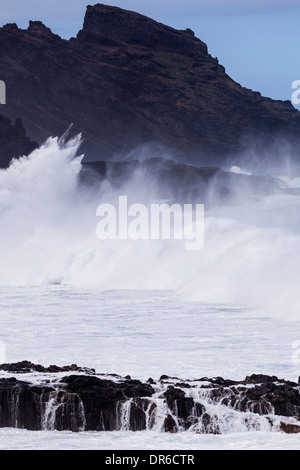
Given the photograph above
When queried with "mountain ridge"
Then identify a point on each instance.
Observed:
(125, 81)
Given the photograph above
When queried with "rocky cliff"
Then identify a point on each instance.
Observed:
(79, 399)
(125, 81)
(178, 182)
(13, 141)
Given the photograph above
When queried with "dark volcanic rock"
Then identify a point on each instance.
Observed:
(101, 399)
(126, 80)
(179, 403)
(283, 398)
(86, 401)
(290, 428)
(170, 424)
(178, 182)
(260, 378)
(13, 141)
(20, 404)
(28, 366)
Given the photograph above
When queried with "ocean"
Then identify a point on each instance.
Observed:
(145, 307)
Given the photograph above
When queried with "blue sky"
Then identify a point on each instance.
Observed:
(257, 41)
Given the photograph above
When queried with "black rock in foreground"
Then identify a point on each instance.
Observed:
(34, 397)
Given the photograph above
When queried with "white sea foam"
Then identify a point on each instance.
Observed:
(48, 226)
(289, 182)
(20, 439)
(239, 171)
(68, 297)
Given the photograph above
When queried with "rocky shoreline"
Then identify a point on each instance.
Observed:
(73, 398)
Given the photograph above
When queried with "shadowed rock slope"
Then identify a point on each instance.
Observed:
(13, 141)
(126, 81)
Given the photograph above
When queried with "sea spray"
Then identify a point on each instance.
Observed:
(48, 226)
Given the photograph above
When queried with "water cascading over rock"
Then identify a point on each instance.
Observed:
(86, 401)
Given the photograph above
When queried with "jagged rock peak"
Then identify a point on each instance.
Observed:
(127, 81)
(131, 27)
(39, 28)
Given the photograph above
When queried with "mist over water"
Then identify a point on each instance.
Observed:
(251, 252)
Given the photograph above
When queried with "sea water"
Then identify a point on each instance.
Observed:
(144, 307)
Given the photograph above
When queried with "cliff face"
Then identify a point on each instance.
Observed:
(126, 80)
(13, 141)
(179, 183)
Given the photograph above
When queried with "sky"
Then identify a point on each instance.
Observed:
(256, 41)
